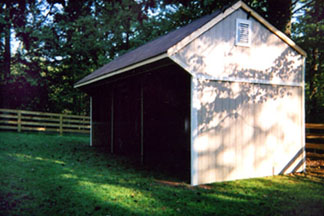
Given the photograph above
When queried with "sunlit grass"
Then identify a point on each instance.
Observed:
(61, 175)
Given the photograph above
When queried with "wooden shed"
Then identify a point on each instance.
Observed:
(219, 99)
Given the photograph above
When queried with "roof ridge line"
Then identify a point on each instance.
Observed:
(224, 13)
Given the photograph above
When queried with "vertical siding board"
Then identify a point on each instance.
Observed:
(234, 132)
(238, 136)
(221, 154)
(227, 133)
(256, 129)
(253, 141)
(263, 149)
(232, 135)
(249, 153)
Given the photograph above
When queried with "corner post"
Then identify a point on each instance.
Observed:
(91, 130)
(193, 132)
(112, 122)
(304, 115)
(142, 122)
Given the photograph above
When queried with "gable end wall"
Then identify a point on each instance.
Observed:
(247, 104)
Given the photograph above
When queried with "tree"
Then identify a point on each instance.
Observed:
(12, 15)
(277, 12)
(309, 33)
(25, 85)
(61, 41)
(87, 35)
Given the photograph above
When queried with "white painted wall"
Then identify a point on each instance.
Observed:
(247, 104)
(245, 130)
(214, 55)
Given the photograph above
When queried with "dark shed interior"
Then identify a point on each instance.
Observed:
(145, 114)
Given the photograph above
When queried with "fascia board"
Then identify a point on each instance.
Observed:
(122, 70)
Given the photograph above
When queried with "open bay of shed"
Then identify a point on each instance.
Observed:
(146, 116)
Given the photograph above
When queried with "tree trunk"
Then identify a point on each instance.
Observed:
(279, 14)
(7, 53)
(314, 73)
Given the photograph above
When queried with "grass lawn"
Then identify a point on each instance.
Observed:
(43, 174)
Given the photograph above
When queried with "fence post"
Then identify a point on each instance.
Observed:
(22, 120)
(19, 121)
(61, 124)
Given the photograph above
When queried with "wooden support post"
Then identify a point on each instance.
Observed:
(19, 121)
(112, 122)
(142, 123)
(91, 129)
(61, 124)
(194, 169)
(303, 123)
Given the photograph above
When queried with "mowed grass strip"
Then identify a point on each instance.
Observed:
(42, 174)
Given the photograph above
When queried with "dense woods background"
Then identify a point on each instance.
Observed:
(48, 45)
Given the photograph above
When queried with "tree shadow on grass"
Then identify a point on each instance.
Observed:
(51, 175)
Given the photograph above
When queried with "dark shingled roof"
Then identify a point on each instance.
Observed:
(150, 49)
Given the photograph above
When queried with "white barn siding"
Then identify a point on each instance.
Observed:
(214, 55)
(247, 107)
(246, 130)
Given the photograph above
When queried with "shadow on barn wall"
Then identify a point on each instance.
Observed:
(247, 102)
(249, 129)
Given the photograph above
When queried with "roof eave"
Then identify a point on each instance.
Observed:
(122, 70)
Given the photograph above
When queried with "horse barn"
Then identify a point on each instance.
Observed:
(219, 99)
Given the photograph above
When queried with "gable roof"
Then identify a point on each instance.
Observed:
(170, 43)
(150, 49)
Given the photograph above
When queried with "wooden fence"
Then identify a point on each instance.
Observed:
(315, 140)
(21, 120)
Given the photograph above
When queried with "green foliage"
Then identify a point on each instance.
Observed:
(61, 41)
(181, 12)
(309, 33)
(42, 174)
